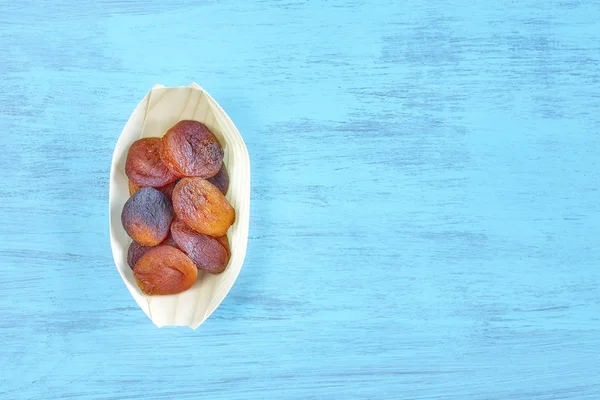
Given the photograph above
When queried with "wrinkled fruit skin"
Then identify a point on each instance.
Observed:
(167, 189)
(165, 270)
(133, 188)
(201, 206)
(207, 252)
(147, 216)
(169, 241)
(135, 252)
(144, 166)
(190, 149)
(221, 180)
(224, 242)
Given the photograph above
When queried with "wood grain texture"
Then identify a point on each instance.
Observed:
(424, 215)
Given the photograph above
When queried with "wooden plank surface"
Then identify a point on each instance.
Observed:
(425, 206)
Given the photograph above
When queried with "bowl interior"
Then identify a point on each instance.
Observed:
(160, 109)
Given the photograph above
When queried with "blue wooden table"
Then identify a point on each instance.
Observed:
(425, 204)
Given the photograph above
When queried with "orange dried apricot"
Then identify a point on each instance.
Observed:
(207, 252)
(147, 216)
(136, 250)
(144, 166)
(165, 270)
(200, 205)
(189, 148)
(133, 188)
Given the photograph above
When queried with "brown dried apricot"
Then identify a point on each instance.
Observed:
(168, 189)
(221, 179)
(144, 166)
(165, 270)
(190, 149)
(207, 252)
(147, 216)
(200, 205)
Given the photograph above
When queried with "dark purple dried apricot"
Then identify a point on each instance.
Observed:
(165, 270)
(135, 252)
(221, 179)
(190, 149)
(200, 205)
(147, 216)
(144, 166)
(207, 252)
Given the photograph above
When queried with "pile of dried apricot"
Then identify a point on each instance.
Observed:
(177, 213)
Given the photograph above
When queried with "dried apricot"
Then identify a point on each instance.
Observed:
(167, 189)
(207, 252)
(221, 179)
(224, 242)
(147, 216)
(190, 149)
(144, 166)
(135, 252)
(169, 241)
(200, 205)
(165, 270)
(133, 188)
